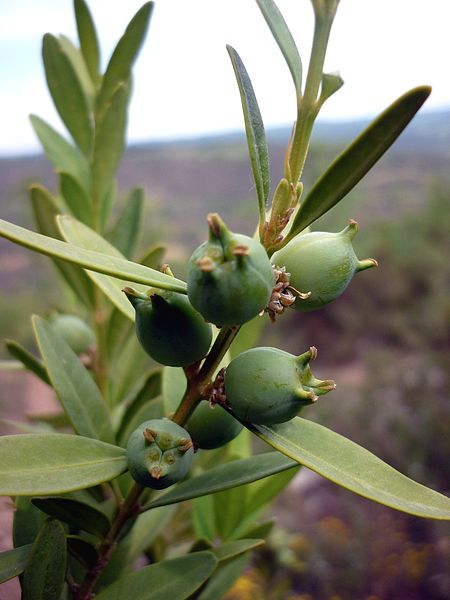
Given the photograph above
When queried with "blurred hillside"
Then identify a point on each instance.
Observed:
(386, 341)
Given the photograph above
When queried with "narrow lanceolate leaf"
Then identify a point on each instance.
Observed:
(45, 572)
(227, 476)
(254, 128)
(124, 55)
(353, 467)
(109, 143)
(76, 58)
(93, 261)
(78, 515)
(76, 233)
(76, 197)
(232, 549)
(153, 257)
(32, 363)
(60, 152)
(75, 387)
(27, 522)
(176, 579)
(138, 401)
(12, 562)
(88, 38)
(223, 578)
(67, 93)
(45, 211)
(127, 229)
(140, 538)
(42, 464)
(284, 39)
(357, 159)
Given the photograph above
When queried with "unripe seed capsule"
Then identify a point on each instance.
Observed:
(169, 329)
(76, 332)
(321, 263)
(268, 386)
(159, 453)
(212, 427)
(230, 277)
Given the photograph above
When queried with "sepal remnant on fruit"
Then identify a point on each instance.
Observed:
(159, 453)
(268, 386)
(230, 278)
(321, 263)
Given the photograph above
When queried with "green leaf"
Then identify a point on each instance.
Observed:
(22, 427)
(76, 233)
(119, 328)
(40, 464)
(227, 476)
(230, 509)
(154, 256)
(126, 231)
(95, 261)
(27, 521)
(254, 128)
(124, 55)
(353, 467)
(76, 58)
(176, 579)
(149, 389)
(150, 410)
(357, 159)
(235, 548)
(173, 386)
(108, 202)
(88, 38)
(284, 39)
(263, 491)
(77, 391)
(44, 575)
(144, 532)
(45, 212)
(109, 144)
(223, 578)
(13, 562)
(203, 518)
(60, 152)
(83, 551)
(331, 83)
(75, 197)
(128, 369)
(32, 363)
(67, 93)
(260, 530)
(78, 515)
(248, 336)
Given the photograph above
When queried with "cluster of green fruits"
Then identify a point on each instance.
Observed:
(231, 279)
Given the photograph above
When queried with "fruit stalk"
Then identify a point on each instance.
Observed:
(198, 386)
(128, 509)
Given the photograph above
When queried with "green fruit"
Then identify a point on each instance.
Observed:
(212, 427)
(78, 335)
(159, 453)
(169, 329)
(230, 278)
(268, 386)
(321, 263)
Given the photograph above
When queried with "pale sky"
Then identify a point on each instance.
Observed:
(184, 82)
